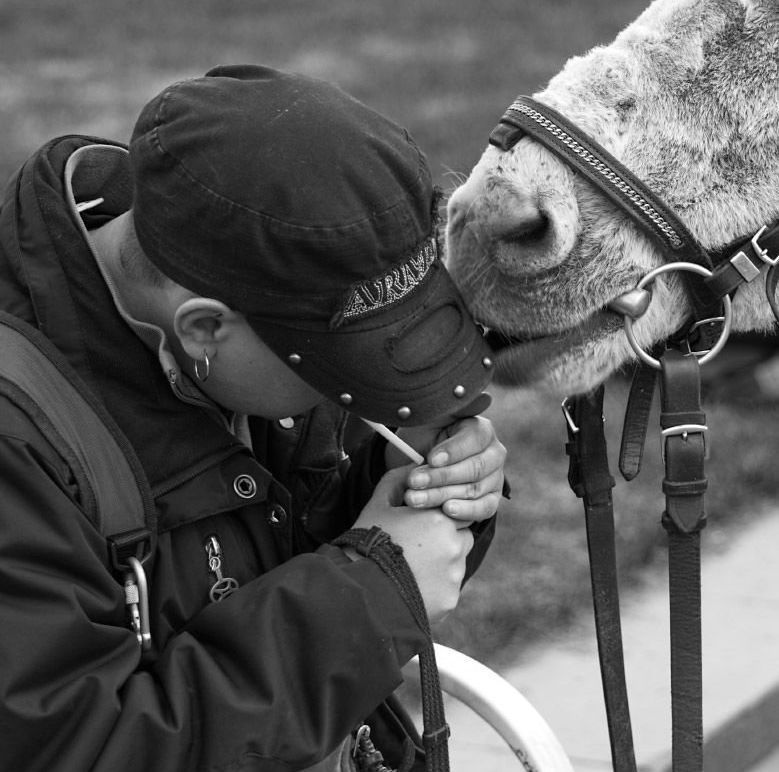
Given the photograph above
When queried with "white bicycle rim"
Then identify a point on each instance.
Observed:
(504, 708)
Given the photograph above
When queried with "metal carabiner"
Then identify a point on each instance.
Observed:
(136, 594)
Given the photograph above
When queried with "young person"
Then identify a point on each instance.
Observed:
(261, 265)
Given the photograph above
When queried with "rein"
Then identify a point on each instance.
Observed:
(710, 279)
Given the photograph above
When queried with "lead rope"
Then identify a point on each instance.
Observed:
(590, 480)
(684, 430)
(375, 544)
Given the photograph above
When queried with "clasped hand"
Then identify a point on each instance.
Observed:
(464, 470)
(428, 509)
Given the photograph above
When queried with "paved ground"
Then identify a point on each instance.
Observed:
(741, 673)
(768, 764)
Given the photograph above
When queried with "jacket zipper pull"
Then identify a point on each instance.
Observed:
(224, 585)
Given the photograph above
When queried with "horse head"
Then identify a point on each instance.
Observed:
(687, 98)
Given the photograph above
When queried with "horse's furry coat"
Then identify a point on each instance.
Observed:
(687, 97)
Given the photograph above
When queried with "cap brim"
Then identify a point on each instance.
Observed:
(409, 363)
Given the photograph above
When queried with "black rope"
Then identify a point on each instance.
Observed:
(375, 544)
(591, 480)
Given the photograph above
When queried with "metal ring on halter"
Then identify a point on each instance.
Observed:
(726, 322)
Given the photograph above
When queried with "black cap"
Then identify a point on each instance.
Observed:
(315, 217)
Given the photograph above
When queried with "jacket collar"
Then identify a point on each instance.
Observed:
(48, 276)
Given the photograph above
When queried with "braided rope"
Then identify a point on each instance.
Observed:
(375, 544)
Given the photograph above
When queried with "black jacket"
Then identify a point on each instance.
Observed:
(271, 678)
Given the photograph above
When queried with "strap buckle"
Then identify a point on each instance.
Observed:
(568, 417)
(745, 265)
(138, 543)
(701, 322)
(760, 252)
(684, 430)
(715, 322)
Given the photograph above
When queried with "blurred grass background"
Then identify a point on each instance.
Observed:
(446, 71)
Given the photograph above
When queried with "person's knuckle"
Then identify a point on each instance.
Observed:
(455, 552)
(484, 507)
(440, 476)
(466, 544)
(433, 498)
(479, 507)
(490, 503)
(473, 490)
(478, 467)
(450, 602)
(497, 454)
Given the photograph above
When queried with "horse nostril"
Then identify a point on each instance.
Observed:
(530, 231)
(516, 221)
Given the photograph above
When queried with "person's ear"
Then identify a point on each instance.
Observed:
(202, 324)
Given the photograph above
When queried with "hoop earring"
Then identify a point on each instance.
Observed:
(203, 377)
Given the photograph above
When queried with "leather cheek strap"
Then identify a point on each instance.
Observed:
(771, 280)
(685, 450)
(684, 517)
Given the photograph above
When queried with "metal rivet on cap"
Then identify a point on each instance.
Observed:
(346, 398)
(404, 413)
(245, 486)
(459, 391)
(294, 359)
(287, 423)
(487, 362)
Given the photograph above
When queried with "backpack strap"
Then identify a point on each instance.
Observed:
(115, 493)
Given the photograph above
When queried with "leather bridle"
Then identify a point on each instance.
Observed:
(711, 278)
(731, 266)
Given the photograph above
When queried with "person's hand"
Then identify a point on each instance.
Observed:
(435, 545)
(464, 470)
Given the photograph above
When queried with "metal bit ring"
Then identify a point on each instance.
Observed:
(705, 356)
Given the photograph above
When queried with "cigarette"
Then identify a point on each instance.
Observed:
(393, 439)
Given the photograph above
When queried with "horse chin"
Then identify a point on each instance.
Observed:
(564, 363)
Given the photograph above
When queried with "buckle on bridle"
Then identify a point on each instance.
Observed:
(689, 344)
(745, 265)
(760, 251)
(684, 430)
(568, 417)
